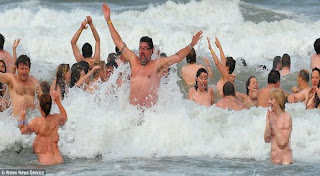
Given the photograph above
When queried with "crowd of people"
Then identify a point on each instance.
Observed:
(19, 89)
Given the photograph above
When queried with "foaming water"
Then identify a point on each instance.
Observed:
(104, 124)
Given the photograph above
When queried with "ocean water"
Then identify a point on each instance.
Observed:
(104, 135)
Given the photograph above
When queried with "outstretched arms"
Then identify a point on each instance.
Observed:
(96, 55)
(14, 53)
(76, 52)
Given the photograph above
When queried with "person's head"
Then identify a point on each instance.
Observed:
(251, 84)
(83, 65)
(63, 73)
(163, 55)
(110, 66)
(201, 80)
(119, 54)
(303, 76)
(228, 89)
(111, 57)
(99, 73)
(277, 63)
(191, 57)
(230, 64)
(277, 98)
(3, 67)
(286, 61)
(317, 46)
(2, 39)
(315, 76)
(23, 67)
(145, 50)
(45, 103)
(86, 50)
(45, 86)
(274, 78)
(76, 73)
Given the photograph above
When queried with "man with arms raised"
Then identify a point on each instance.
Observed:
(315, 59)
(263, 93)
(22, 87)
(145, 73)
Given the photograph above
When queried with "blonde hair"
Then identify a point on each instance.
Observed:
(278, 94)
(101, 69)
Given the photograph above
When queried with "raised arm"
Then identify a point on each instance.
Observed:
(127, 53)
(181, 54)
(222, 56)
(85, 77)
(206, 61)
(62, 117)
(96, 55)
(76, 52)
(14, 53)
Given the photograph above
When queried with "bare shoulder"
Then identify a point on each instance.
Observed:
(192, 90)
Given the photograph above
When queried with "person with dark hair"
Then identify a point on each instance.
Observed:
(250, 98)
(110, 66)
(22, 86)
(86, 48)
(315, 59)
(4, 99)
(225, 67)
(79, 77)
(229, 101)
(314, 93)
(286, 65)
(189, 71)
(62, 80)
(14, 58)
(145, 73)
(278, 128)
(277, 63)
(112, 57)
(4, 55)
(263, 93)
(120, 58)
(300, 94)
(201, 93)
(46, 129)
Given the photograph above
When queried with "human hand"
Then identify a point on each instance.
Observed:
(55, 95)
(84, 24)
(217, 42)
(106, 12)
(89, 20)
(196, 38)
(209, 43)
(16, 43)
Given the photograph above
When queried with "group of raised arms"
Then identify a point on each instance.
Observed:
(19, 89)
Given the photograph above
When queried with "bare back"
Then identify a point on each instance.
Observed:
(230, 102)
(189, 73)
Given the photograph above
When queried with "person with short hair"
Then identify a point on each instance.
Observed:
(86, 48)
(229, 101)
(225, 67)
(278, 129)
(22, 87)
(111, 57)
(314, 93)
(201, 93)
(277, 63)
(263, 93)
(189, 71)
(300, 94)
(250, 98)
(315, 59)
(46, 128)
(5, 55)
(286, 65)
(120, 58)
(145, 72)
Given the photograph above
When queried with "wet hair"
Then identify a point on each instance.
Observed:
(316, 46)
(45, 86)
(163, 55)
(86, 50)
(147, 40)
(45, 103)
(248, 83)
(304, 74)
(228, 89)
(75, 76)
(24, 60)
(231, 64)
(286, 60)
(118, 53)
(5, 66)
(273, 77)
(2, 39)
(112, 63)
(100, 70)
(191, 57)
(316, 69)
(201, 70)
(111, 57)
(278, 94)
(83, 65)
(276, 60)
(61, 78)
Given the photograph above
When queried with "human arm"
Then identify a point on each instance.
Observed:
(27, 128)
(76, 52)
(211, 95)
(241, 96)
(14, 53)
(86, 76)
(127, 53)
(207, 65)
(62, 117)
(267, 131)
(96, 55)
(222, 56)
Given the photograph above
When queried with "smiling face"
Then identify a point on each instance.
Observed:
(253, 85)
(145, 53)
(315, 78)
(273, 103)
(202, 81)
